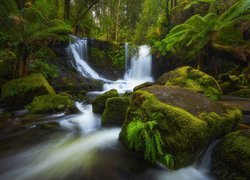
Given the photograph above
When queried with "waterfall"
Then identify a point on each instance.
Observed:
(79, 50)
(138, 67)
(138, 70)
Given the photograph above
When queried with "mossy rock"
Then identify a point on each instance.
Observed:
(51, 103)
(241, 93)
(230, 83)
(231, 158)
(190, 78)
(115, 111)
(100, 101)
(19, 92)
(146, 84)
(187, 121)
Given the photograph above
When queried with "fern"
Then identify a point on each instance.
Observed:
(195, 2)
(190, 38)
(144, 137)
(169, 160)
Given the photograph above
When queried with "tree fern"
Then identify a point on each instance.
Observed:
(189, 39)
(143, 136)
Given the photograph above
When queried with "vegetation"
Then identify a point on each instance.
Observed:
(197, 33)
(51, 103)
(26, 29)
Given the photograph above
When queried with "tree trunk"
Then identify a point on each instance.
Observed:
(66, 9)
(117, 20)
(20, 3)
(23, 62)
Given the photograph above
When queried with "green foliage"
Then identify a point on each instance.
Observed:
(190, 38)
(33, 26)
(191, 3)
(143, 136)
(48, 70)
(118, 57)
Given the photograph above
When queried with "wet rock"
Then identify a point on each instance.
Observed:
(187, 121)
(231, 158)
(100, 101)
(115, 111)
(51, 103)
(146, 84)
(190, 78)
(19, 92)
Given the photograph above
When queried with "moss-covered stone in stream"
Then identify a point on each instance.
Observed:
(188, 121)
(188, 77)
(231, 158)
(19, 92)
(50, 103)
(115, 111)
(99, 102)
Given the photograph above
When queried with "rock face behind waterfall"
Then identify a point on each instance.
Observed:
(187, 121)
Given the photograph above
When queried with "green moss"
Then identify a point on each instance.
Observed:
(22, 91)
(193, 79)
(232, 157)
(50, 103)
(115, 111)
(184, 134)
(21, 86)
(100, 101)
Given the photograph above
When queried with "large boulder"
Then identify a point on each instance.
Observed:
(115, 111)
(186, 121)
(19, 92)
(231, 158)
(99, 102)
(51, 103)
(188, 77)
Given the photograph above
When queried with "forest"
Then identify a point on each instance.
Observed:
(125, 89)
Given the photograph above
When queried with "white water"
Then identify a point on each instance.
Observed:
(79, 50)
(67, 153)
(138, 69)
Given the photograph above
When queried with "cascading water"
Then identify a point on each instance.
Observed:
(138, 71)
(138, 68)
(79, 50)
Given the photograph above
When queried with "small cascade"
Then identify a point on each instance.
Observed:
(140, 66)
(199, 171)
(85, 122)
(79, 50)
(205, 163)
(138, 71)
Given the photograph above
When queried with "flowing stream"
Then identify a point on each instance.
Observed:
(79, 147)
(85, 150)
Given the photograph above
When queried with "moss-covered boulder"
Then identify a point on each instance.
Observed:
(186, 121)
(231, 158)
(51, 103)
(99, 102)
(188, 77)
(115, 111)
(19, 92)
(7, 61)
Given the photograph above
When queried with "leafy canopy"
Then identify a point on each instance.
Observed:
(189, 38)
